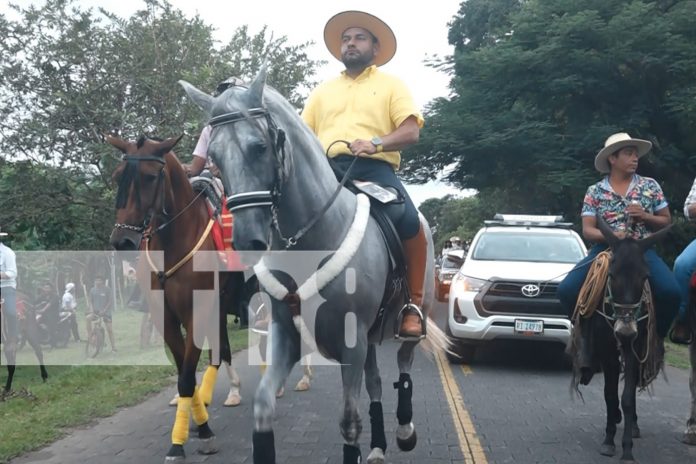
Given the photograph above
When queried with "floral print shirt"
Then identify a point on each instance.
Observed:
(601, 198)
(690, 200)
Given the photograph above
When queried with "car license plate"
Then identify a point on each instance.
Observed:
(529, 327)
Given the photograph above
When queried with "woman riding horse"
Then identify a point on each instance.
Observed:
(158, 210)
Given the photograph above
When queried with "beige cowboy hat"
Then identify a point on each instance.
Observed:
(616, 142)
(337, 25)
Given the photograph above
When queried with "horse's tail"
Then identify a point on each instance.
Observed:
(436, 341)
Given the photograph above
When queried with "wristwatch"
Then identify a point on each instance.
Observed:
(377, 142)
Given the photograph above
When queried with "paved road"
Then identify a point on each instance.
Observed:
(511, 405)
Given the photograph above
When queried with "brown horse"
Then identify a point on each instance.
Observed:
(156, 209)
(26, 322)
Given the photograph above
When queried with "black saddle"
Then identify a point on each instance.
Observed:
(387, 206)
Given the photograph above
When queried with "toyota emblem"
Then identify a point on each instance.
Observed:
(531, 290)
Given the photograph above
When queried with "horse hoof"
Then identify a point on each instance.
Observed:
(689, 438)
(174, 401)
(636, 431)
(281, 392)
(351, 454)
(302, 385)
(175, 454)
(406, 437)
(208, 446)
(232, 400)
(607, 450)
(376, 456)
(177, 459)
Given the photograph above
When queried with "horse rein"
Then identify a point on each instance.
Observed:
(145, 228)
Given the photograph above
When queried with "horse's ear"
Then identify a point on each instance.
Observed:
(166, 146)
(652, 239)
(604, 228)
(256, 87)
(118, 142)
(200, 98)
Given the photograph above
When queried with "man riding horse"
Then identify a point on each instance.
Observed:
(375, 114)
(632, 206)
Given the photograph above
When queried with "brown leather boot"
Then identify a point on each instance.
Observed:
(416, 250)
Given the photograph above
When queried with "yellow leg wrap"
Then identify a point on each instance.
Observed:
(198, 409)
(180, 431)
(208, 384)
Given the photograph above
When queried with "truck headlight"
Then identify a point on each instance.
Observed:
(468, 284)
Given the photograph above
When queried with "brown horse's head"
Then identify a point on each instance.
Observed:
(141, 178)
(628, 272)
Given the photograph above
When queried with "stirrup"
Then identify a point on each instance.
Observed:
(410, 307)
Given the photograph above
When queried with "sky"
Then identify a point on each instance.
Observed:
(420, 28)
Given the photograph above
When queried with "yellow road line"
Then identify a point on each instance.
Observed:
(468, 440)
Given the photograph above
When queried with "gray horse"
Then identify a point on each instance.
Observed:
(280, 183)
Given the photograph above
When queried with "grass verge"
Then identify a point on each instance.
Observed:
(38, 413)
(677, 355)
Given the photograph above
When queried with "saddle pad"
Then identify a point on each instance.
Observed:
(222, 237)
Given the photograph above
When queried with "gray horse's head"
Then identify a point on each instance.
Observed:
(249, 149)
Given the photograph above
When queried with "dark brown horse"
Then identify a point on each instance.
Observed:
(623, 328)
(26, 322)
(156, 209)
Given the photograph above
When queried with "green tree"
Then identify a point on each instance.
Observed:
(69, 74)
(538, 86)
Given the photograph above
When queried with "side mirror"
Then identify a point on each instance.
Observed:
(456, 258)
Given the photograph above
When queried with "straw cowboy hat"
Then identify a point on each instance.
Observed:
(337, 25)
(616, 142)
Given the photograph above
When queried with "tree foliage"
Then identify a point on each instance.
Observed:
(538, 86)
(69, 74)
(462, 217)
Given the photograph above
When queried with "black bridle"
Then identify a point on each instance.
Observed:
(259, 198)
(271, 198)
(129, 177)
(625, 312)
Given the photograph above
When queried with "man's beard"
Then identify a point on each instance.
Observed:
(357, 60)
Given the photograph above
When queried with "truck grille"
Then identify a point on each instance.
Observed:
(506, 297)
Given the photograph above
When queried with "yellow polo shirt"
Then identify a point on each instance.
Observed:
(373, 104)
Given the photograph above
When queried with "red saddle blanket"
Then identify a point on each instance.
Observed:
(222, 236)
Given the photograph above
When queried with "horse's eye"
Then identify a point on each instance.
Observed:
(258, 148)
